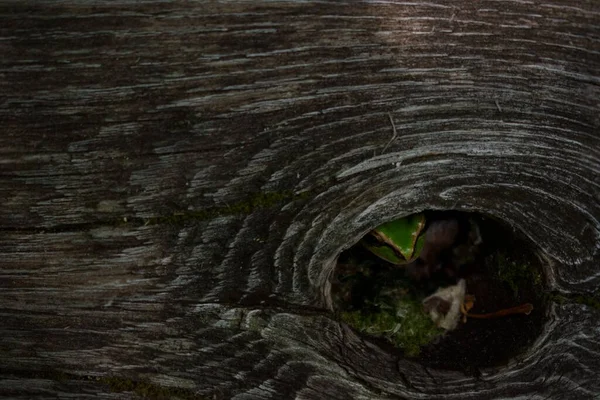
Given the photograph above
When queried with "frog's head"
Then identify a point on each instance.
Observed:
(398, 242)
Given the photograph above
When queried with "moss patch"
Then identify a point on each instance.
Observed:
(116, 384)
(261, 200)
(586, 300)
(405, 325)
(148, 390)
(515, 274)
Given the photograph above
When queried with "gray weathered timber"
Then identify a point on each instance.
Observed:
(177, 178)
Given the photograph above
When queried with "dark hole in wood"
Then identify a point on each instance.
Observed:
(504, 272)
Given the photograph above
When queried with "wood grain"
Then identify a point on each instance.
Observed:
(177, 179)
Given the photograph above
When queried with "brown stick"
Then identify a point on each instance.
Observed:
(522, 309)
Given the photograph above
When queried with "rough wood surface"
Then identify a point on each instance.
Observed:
(177, 177)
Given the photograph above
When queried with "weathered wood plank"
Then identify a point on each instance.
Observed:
(178, 177)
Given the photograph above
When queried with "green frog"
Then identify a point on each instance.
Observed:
(398, 242)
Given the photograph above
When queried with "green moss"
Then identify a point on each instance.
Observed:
(515, 274)
(587, 300)
(148, 390)
(261, 200)
(116, 384)
(405, 325)
(61, 377)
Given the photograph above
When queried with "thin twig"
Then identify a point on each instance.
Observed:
(393, 136)
(498, 105)
(522, 309)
